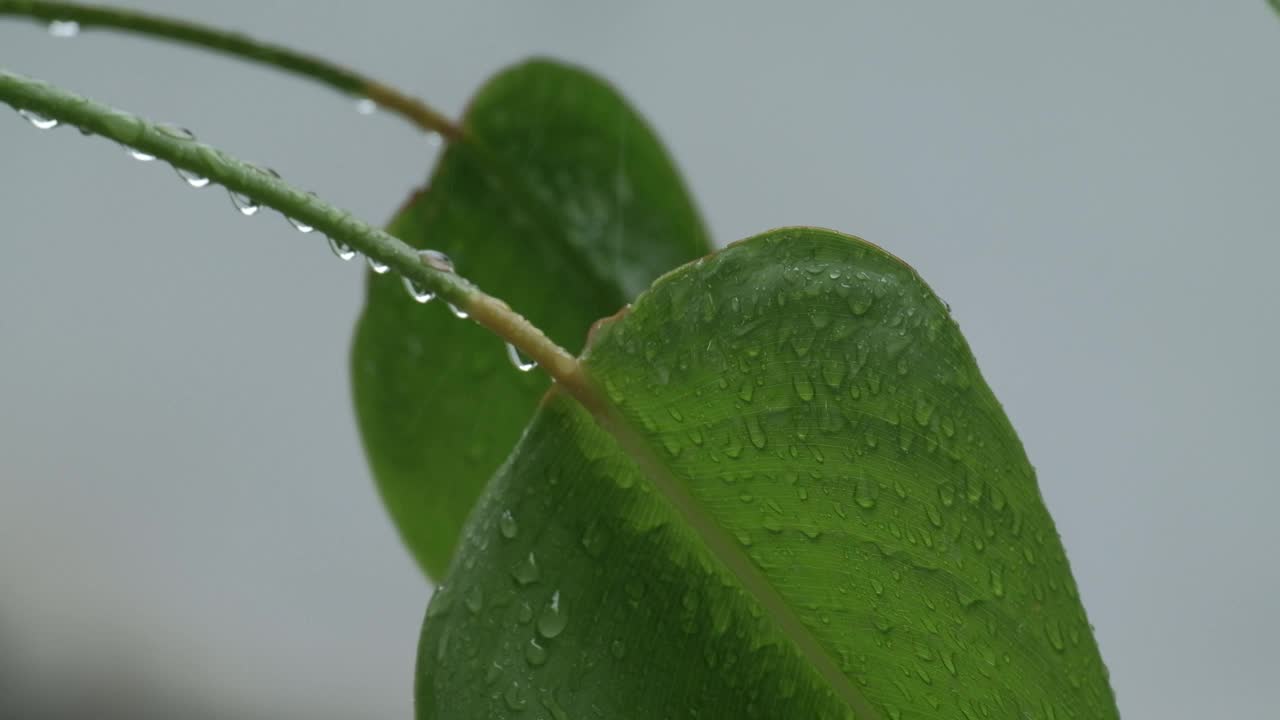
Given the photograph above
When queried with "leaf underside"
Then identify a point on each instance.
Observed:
(560, 200)
(801, 500)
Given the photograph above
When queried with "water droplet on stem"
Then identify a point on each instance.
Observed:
(38, 121)
(365, 106)
(520, 363)
(246, 205)
(64, 28)
(339, 248)
(417, 292)
(195, 180)
(376, 266)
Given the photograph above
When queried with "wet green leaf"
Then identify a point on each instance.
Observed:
(795, 497)
(561, 201)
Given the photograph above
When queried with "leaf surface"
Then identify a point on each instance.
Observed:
(562, 201)
(796, 498)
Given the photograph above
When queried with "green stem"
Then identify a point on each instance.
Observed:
(182, 151)
(245, 48)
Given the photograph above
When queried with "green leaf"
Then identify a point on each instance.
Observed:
(561, 200)
(797, 498)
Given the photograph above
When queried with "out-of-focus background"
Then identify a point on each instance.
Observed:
(187, 526)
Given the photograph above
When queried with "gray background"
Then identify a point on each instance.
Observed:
(186, 521)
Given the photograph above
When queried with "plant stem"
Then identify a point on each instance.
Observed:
(182, 151)
(245, 48)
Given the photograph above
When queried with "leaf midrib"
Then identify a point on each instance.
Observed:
(720, 544)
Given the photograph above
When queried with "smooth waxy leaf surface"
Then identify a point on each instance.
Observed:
(796, 498)
(562, 202)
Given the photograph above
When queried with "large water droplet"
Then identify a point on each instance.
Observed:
(416, 291)
(246, 205)
(553, 619)
(514, 356)
(436, 259)
(458, 312)
(514, 697)
(339, 248)
(365, 106)
(64, 28)
(376, 265)
(534, 653)
(38, 121)
(526, 571)
(756, 432)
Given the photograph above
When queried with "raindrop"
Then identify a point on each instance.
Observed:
(365, 106)
(535, 654)
(552, 620)
(38, 121)
(139, 155)
(376, 266)
(436, 259)
(179, 133)
(514, 355)
(339, 248)
(458, 312)
(195, 180)
(417, 292)
(64, 28)
(507, 525)
(246, 205)
(526, 571)
(305, 228)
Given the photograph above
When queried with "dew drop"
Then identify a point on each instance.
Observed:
(458, 312)
(64, 28)
(514, 697)
(526, 571)
(38, 121)
(247, 206)
(139, 155)
(376, 266)
(340, 249)
(474, 599)
(552, 620)
(535, 654)
(507, 525)
(865, 493)
(365, 106)
(512, 354)
(195, 180)
(417, 292)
